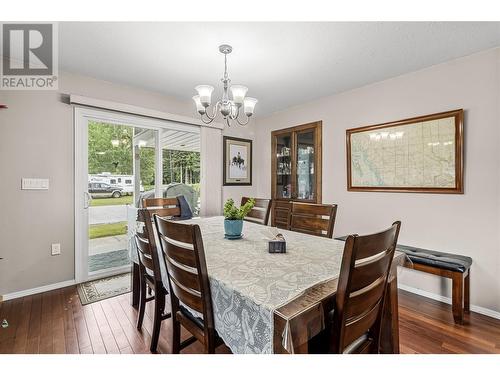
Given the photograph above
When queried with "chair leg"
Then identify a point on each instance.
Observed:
(176, 335)
(210, 346)
(458, 297)
(142, 301)
(467, 292)
(159, 309)
(135, 284)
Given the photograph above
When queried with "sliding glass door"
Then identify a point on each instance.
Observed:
(120, 160)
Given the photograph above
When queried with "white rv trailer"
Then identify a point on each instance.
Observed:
(126, 182)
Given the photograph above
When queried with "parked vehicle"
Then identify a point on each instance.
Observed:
(126, 182)
(103, 190)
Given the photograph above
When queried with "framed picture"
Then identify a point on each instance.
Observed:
(237, 159)
(422, 154)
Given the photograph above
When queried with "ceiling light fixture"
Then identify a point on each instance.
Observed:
(229, 108)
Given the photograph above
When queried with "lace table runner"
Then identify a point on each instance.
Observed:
(248, 284)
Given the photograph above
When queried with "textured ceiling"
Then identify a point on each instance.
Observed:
(283, 64)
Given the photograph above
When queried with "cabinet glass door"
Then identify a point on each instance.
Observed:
(306, 179)
(284, 166)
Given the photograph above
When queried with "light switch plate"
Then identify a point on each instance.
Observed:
(56, 248)
(35, 184)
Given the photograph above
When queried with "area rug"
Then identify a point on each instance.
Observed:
(97, 290)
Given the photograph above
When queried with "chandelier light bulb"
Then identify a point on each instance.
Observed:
(249, 105)
(199, 107)
(238, 92)
(205, 93)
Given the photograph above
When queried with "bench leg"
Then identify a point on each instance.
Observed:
(458, 297)
(467, 292)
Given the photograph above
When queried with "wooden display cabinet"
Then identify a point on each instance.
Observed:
(296, 166)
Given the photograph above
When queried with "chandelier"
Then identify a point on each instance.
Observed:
(229, 108)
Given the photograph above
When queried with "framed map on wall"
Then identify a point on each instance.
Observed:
(422, 154)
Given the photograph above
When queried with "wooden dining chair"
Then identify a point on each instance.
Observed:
(150, 276)
(280, 213)
(355, 322)
(171, 205)
(316, 219)
(190, 296)
(260, 211)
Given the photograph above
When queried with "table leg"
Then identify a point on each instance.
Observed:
(135, 285)
(389, 342)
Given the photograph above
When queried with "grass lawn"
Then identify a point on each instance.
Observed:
(125, 199)
(107, 230)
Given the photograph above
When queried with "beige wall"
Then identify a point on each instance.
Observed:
(36, 140)
(464, 224)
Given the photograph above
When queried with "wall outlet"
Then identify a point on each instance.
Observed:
(56, 248)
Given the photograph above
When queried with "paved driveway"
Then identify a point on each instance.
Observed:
(107, 214)
(108, 244)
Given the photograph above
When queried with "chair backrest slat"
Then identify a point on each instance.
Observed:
(188, 298)
(260, 211)
(183, 251)
(357, 328)
(365, 268)
(182, 255)
(163, 206)
(144, 253)
(315, 219)
(281, 214)
(365, 274)
(185, 276)
(362, 302)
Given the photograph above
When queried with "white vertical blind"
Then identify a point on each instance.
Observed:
(211, 171)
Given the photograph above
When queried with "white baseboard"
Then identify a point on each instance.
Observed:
(438, 297)
(40, 289)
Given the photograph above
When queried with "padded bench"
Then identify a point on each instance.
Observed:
(451, 266)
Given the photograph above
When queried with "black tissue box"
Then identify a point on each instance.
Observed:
(277, 245)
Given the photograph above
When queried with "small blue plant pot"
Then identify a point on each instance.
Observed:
(233, 228)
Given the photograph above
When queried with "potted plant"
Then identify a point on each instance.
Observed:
(233, 217)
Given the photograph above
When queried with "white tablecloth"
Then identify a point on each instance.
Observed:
(248, 284)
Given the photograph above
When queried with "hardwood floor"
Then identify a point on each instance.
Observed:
(56, 322)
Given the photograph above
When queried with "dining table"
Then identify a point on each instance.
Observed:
(275, 302)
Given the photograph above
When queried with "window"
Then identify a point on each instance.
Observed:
(113, 181)
(128, 182)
